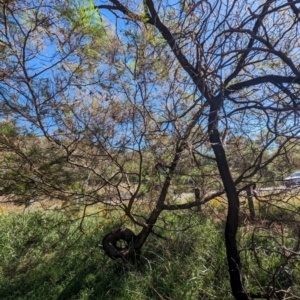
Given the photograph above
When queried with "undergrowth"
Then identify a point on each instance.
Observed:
(44, 255)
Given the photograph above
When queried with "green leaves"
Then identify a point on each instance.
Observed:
(8, 129)
(146, 16)
(82, 15)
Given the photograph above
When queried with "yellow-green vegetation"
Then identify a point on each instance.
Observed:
(54, 255)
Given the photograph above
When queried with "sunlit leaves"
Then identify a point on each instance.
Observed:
(82, 15)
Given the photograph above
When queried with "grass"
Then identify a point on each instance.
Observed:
(45, 255)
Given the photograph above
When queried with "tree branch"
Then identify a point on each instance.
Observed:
(120, 7)
(275, 79)
(294, 8)
(255, 29)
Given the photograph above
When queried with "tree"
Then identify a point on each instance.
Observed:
(242, 61)
(123, 100)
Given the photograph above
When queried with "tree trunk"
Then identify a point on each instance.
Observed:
(197, 199)
(250, 202)
(231, 227)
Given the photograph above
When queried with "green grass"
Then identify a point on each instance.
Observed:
(45, 256)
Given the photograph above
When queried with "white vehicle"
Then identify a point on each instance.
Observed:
(292, 180)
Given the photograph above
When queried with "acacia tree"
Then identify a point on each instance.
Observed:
(143, 99)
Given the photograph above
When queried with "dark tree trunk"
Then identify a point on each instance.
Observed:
(231, 227)
(250, 202)
(197, 198)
